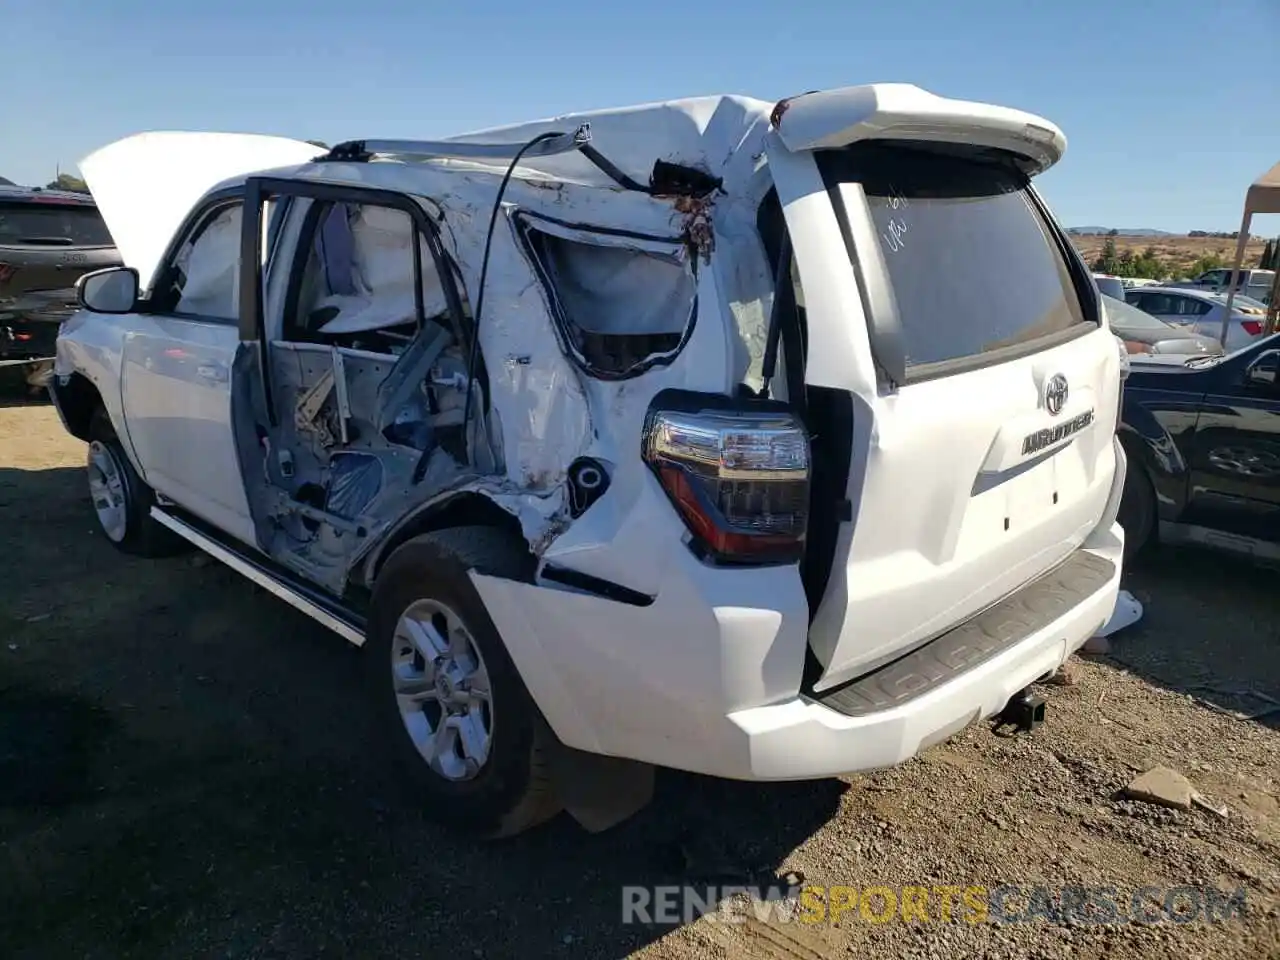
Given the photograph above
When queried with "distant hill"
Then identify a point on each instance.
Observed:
(1120, 231)
(65, 181)
(1181, 255)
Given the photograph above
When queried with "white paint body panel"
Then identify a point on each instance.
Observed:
(705, 678)
(832, 118)
(93, 347)
(176, 399)
(925, 549)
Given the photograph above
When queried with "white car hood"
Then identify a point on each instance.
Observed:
(146, 184)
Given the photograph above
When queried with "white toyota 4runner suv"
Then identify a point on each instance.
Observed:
(708, 434)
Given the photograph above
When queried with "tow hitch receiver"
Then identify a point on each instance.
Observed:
(1024, 712)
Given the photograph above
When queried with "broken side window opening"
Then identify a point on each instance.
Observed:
(622, 303)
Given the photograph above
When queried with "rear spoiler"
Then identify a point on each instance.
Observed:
(828, 119)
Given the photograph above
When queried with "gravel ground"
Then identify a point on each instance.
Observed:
(183, 774)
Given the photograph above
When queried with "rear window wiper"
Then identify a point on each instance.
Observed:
(48, 241)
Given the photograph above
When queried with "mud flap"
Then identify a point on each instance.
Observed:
(599, 792)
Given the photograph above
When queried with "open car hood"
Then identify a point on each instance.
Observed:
(146, 184)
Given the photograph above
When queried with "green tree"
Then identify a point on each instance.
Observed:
(1108, 259)
(1209, 261)
(1149, 266)
(66, 181)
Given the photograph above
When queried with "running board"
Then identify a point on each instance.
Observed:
(299, 596)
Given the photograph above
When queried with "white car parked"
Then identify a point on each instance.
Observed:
(536, 418)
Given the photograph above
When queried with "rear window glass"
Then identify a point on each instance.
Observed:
(1110, 286)
(973, 266)
(54, 224)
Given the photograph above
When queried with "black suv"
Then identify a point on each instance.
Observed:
(48, 240)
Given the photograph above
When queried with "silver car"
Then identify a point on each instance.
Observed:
(1200, 311)
(1144, 334)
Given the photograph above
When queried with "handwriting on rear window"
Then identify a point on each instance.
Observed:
(896, 228)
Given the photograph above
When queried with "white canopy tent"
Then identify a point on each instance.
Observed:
(1263, 197)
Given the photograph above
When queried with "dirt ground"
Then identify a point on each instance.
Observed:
(183, 773)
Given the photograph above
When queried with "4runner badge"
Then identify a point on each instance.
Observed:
(1035, 442)
(1055, 394)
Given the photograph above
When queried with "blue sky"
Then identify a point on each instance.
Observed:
(1168, 114)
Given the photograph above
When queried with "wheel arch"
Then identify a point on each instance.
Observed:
(463, 508)
(78, 402)
(1154, 455)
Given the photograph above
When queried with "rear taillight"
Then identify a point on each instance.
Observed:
(1252, 327)
(739, 479)
(1123, 348)
(7, 270)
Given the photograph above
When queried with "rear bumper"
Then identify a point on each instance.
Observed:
(630, 682)
(804, 738)
(707, 676)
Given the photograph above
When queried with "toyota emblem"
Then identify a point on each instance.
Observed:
(1055, 394)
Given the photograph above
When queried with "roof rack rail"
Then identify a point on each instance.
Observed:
(360, 151)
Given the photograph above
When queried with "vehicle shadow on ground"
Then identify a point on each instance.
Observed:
(185, 770)
(1180, 643)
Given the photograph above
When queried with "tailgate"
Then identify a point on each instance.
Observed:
(973, 488)
(985, 387)
(46, 245)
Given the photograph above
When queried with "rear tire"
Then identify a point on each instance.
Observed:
(451, 707)
(1137, 511)
(122, 500)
